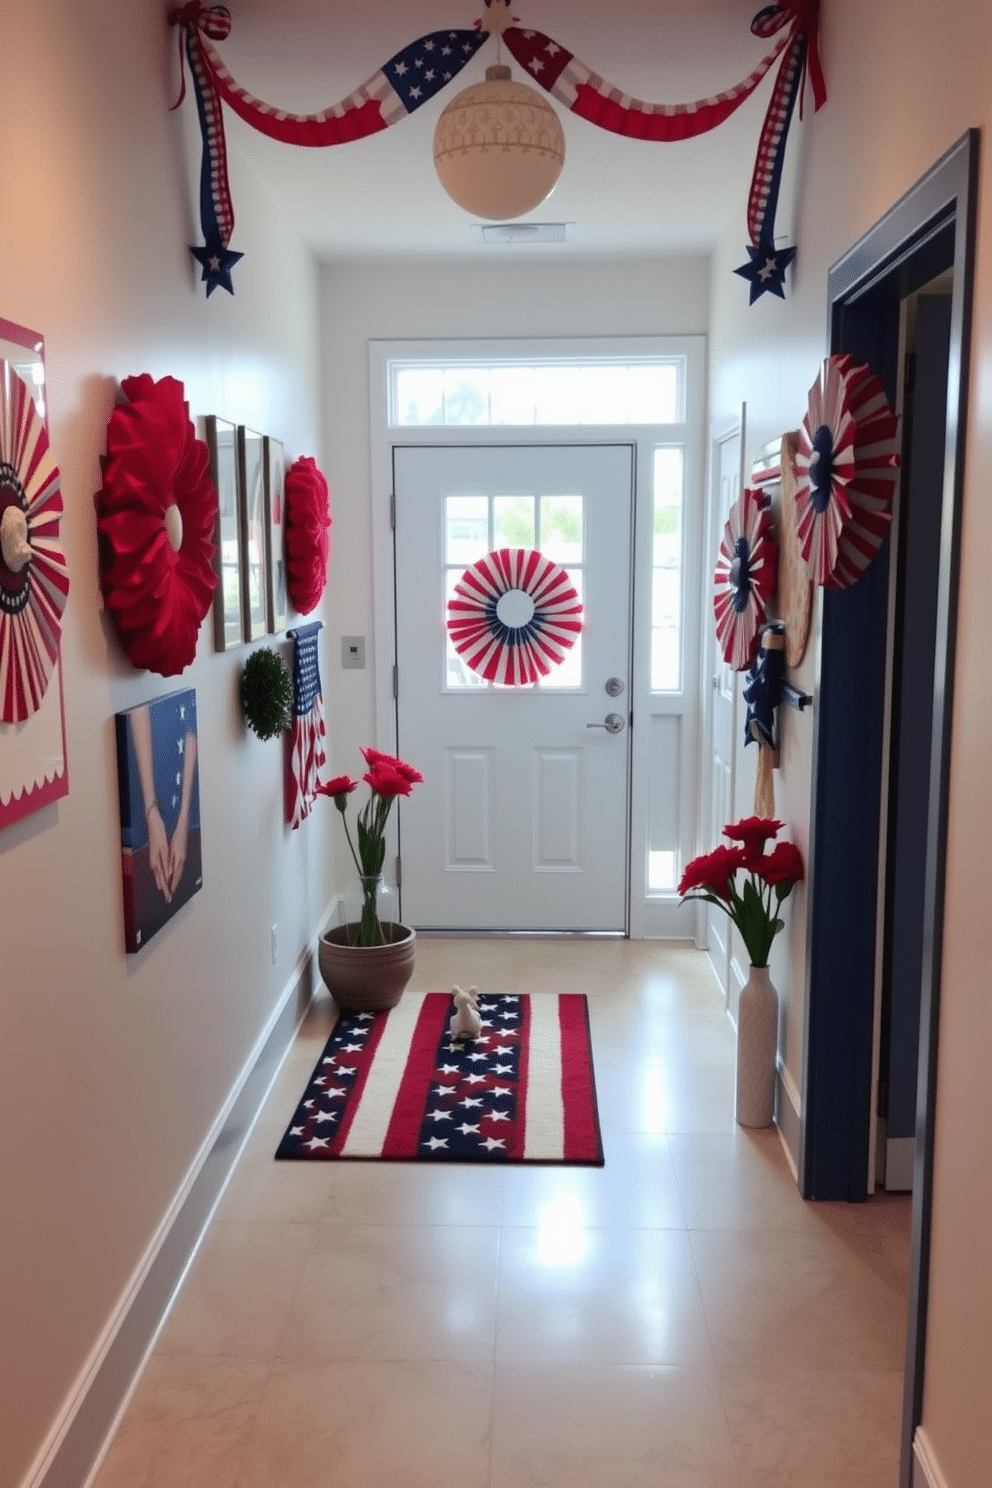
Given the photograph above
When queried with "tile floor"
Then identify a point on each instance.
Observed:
(677, 1319)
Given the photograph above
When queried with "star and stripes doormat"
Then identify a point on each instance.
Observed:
(396, 1086)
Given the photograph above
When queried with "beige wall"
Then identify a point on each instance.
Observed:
(905, 83)
(113, 1068)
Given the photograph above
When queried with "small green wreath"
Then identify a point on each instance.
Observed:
(267, 694)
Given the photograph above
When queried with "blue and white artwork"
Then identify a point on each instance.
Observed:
(160, 812)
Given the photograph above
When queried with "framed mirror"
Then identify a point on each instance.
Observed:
(228, 596)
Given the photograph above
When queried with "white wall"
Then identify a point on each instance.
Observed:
(113, 1068)
(904, 85)
(500, 296)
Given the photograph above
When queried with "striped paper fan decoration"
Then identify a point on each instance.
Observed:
(514, 616)
(34, 581)
(744, 580)
(847, 464)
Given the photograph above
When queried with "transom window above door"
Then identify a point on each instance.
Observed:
(476, 525)
(611, 391)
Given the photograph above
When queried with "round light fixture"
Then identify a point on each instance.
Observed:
(499, 148)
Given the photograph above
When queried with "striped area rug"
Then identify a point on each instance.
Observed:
(396, 1086)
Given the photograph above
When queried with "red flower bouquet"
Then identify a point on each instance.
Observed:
(768, 880)
(387, 777)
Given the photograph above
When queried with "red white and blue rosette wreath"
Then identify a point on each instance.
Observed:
(34, 580)
(744, 580)
(514, 616)
(847, 464)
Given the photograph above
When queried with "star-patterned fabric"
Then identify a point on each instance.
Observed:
(397, 1086)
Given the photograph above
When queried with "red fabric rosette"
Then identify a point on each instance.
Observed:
(157, 512)
(308, 533)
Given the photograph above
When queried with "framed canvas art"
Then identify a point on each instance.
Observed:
(254, 533)
(275, 511)
(34, 586)
(228, 603)
(158, 782)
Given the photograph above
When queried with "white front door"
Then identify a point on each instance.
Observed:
(521, 823)
(727, 485)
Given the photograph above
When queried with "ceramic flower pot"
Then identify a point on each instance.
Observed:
(366, 979)
(757, 1048)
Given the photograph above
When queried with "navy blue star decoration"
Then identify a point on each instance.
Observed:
(766, 269)
(217, 262)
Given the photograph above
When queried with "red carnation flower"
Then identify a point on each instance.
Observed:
(753, 832)
(339, 788)
(783, 865)
(392, 762)
(713, 871)
(308, 539)
(386, 781)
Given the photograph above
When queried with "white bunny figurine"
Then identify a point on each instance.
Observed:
(465, 1020)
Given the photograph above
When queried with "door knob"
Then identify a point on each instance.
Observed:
(612, 723)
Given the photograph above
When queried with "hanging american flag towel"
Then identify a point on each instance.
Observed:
(394, 1085)
(307, 754)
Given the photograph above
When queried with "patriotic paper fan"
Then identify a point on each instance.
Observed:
(847, 463)
(514, 616)
(745, 577)
(34, 581)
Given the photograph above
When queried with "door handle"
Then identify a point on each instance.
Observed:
(612, 723)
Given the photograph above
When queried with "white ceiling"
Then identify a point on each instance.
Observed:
(380, 198)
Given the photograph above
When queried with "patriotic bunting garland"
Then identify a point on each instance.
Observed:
(514, 616)
(745, 577)
(847, 463)
(34, 581)
(418, 72)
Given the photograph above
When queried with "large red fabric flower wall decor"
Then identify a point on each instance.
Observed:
(744, 580)
(157, 513)
(847, 464)
(34, 582)
(308, 533)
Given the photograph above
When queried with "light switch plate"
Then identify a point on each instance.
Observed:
(353, 652)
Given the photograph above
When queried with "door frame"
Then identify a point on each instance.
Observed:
(930, 229)
(662, 916)
(709, 830)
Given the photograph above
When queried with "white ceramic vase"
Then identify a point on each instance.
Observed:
(757, 1048)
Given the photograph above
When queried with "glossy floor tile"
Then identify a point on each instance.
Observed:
(676, 1319)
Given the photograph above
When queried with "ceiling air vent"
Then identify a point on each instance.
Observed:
(523, 234)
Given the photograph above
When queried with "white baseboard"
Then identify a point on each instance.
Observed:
(789, 1117)
(75, 1446)
(926, 1472)
(900, 1161)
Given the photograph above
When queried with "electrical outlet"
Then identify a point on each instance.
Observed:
(274, 940)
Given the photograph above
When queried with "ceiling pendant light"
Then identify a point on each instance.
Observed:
(499, 148)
